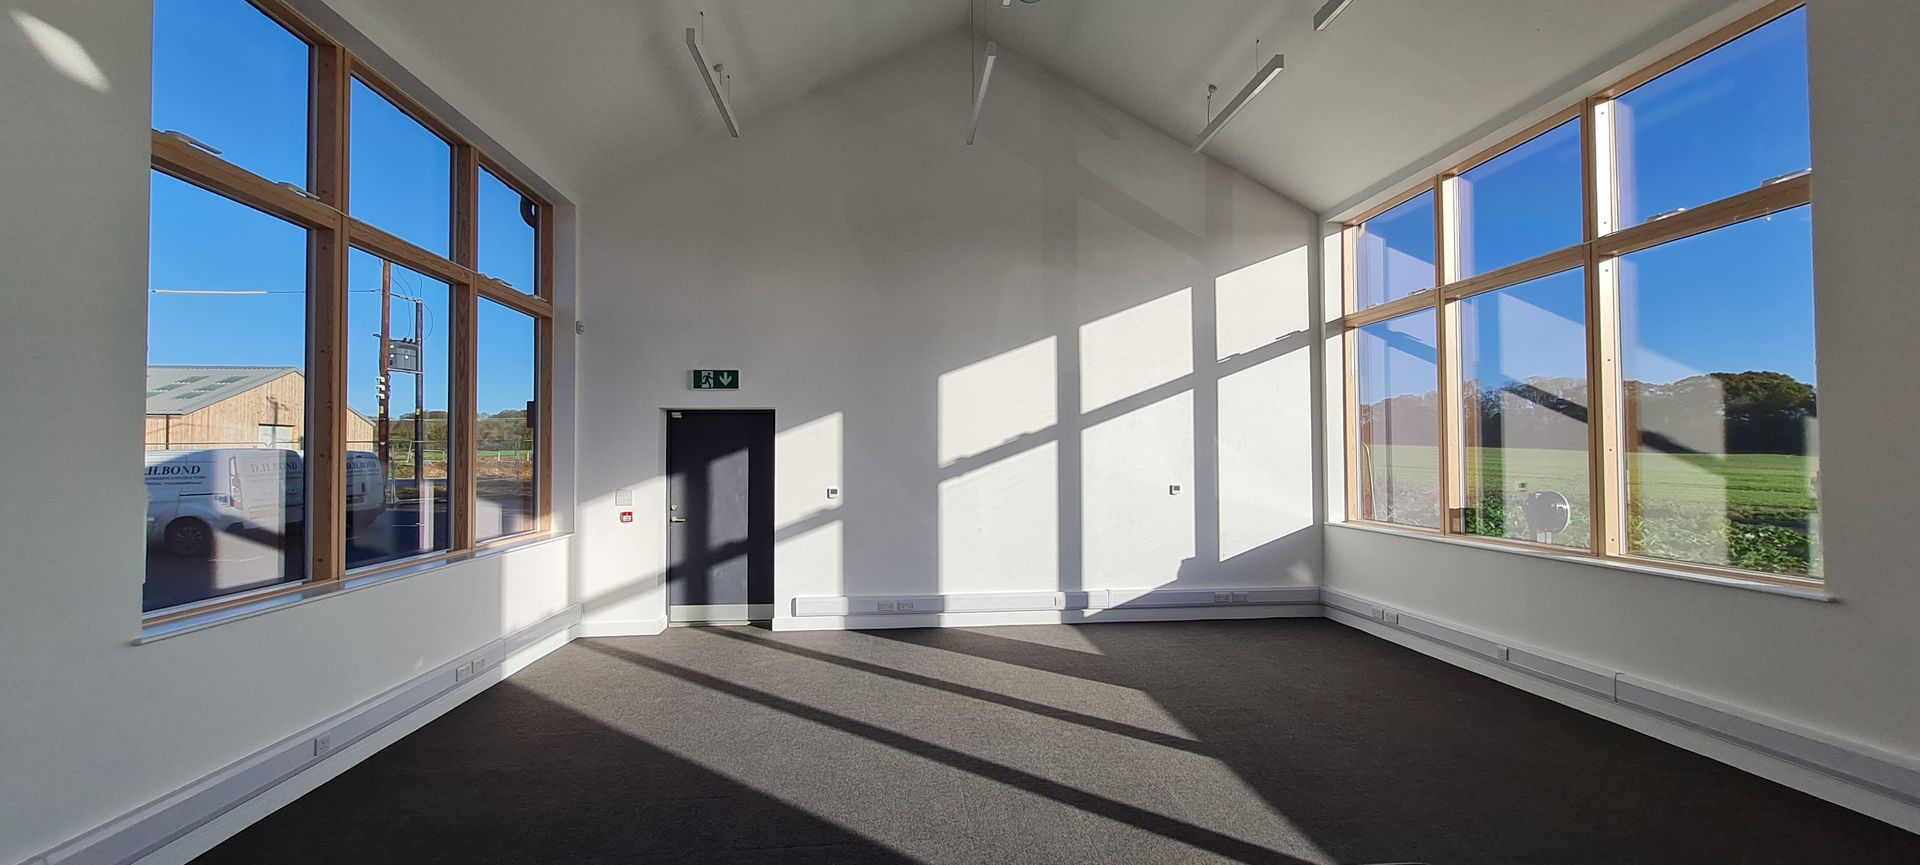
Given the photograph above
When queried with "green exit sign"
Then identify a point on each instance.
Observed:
(716, 379)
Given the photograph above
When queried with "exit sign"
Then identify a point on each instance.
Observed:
(716, 379)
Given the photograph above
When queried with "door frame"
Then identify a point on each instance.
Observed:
(713, 614)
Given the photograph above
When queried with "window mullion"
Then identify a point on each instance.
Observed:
(1607, 469)
(461, 441)
(1447, 345)
(1350, 371)
(326, 403)
(326, 320)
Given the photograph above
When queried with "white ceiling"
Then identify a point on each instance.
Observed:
(588, 86)
(594, 85)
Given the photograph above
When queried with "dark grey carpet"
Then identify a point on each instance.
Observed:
(1260, 741)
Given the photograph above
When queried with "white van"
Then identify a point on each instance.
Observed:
(191, 495)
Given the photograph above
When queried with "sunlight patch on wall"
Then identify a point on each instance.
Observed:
(1260, 303)
(533, 584)
(810, 563)
(807, 462)
(617, 580)
(997, 400)
(1266, 464)
(1136, 349)
(1000, 525)
(63, 52)
(1137, 533)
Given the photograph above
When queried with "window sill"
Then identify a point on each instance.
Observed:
(151, 633)
(1809, 594)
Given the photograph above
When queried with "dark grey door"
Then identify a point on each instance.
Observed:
(720, 515)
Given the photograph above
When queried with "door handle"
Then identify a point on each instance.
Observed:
(676, 519)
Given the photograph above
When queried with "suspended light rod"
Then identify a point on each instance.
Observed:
(1260, 80)
(980, 97)
(713, 87)
(1329, 12)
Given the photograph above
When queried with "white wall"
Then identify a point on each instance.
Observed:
(1003, 354)
(1844, 668)
(92, 726)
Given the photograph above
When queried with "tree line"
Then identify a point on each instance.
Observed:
(502, 431)
(1723, 412)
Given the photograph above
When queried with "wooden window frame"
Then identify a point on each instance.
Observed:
(323, 210)
(1602, 246)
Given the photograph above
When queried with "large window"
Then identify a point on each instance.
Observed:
(1523, 411)
(1616, 353)
(509, 423)
(322, 340)
(1394, 253)
(234, 80)
(226, 398)
(400, 486)
(1397, 424)
(509, 233)
(402, 173)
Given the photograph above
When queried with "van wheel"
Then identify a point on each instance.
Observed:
(189, 538)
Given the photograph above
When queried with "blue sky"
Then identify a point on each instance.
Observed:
(1732, 300)
(230, 77)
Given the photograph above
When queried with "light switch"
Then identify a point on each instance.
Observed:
(833, 492)
(1173, 489)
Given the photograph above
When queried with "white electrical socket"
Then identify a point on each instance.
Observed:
(322, 744)
(1393, 618)
(904, 605)
(1379, 614)
(1503, 653)
(886, 606)
(1223, 597)
(461, 672)
(1239, 597)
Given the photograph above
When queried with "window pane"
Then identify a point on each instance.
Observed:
(1523, 203)
(398, 487)
(509, 241)
(504, 468)
(1399, 422)
(226, 359)
(1717, 354)
(401, 173)
(234, 79)
(1523, 364)
(1395, 253)
(1718, 126)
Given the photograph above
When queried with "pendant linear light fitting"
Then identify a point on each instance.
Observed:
(1329, 12)
(1260, 80)
(713, 87)
(980, 97)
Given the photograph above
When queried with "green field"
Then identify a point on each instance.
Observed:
(1753, 511)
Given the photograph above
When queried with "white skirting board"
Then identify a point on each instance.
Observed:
(885, 621)
(637, 628)
(1881, 775)
(1089, 599)
(189, 821)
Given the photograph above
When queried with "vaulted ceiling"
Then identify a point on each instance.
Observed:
(587, 87)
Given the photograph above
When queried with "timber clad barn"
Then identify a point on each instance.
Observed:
(200, 407)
